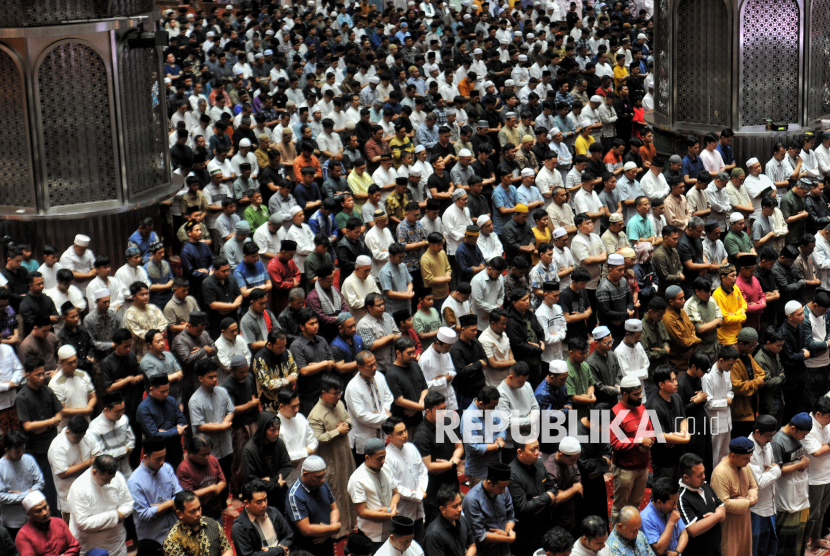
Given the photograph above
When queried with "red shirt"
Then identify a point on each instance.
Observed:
(627, 454)
(282, 275)
(195, 477)
(54, 541)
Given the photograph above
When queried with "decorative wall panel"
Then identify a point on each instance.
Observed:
(819, 60)
(662, 55)
(76, 126)
(143, 121)
(16, 160)
(29, 13)
(704, 100)
(770, 32)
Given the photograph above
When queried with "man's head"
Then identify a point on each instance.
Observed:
(188, 508)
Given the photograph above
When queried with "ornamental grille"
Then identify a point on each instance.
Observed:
(662, 55)
(769, 66)
(76, 125)
(703, 71)
(819, 56)
(15, 161)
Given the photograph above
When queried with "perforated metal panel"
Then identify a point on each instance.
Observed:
(12, 13)
(769, 64)
(143, 122)
(819, 57)
(662, 56)
(15, 162)
(704, 70)
(25, 13)
(131, 7)
(76, 125)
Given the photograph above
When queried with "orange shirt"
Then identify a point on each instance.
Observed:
(647, 152)
(300, 162)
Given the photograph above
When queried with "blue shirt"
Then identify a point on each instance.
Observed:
(549, 397)
(506, 199)
(478, 458)
(321, 224)
(725, 154)
(250, 276)
(304, 195)
(691, 167)
(159, 298)
(20, 476)
(153, 415)
(303, 502)
(143, 244)
(527, 195)
(346, 352)
(394, 278)
(427, 136)
(629, 190)
(654, 523)
(640, 228)
(148, 489)
(466, 257)
(195, 256)
(484, 512)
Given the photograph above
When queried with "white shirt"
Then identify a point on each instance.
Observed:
(586, 201)
(355, 291)
(655, 187)
(388, 550)
(59, 298)
(819, 470)
(11, 371)
(304, 237)
(268, 242)
(126, 275)
(378, 241)
(455, 222)
(114, 438)
(94, 513)
(297, 436)
(712, 160)
(63, 455)
(50, 274)
(411, 476)
(499, 349)
(114, 287)
(487, 294)
(791, 490)
(819, 329)
(547, 181)
(563, 259)
(71, 261)
(718, 388)
(633, 362)
(490, 246)
(822, 155)
(73, 392)
(755, 186)
(384, 177)
(214, 194)
(366, 422)
(761, 458)
(375, 490)
(584, 246)
(250, 158)
(553, 323)
(433, 364)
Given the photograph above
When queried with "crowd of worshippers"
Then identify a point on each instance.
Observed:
(481, 182)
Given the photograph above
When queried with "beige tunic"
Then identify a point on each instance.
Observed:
(733, 486)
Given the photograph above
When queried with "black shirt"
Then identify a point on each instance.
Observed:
(575, 302)
(692, 507)
(466, 358)
(669, 413)
(241, 393)
(214, 291)
(37, 405)
(425, 441)
(408, 383)
(82, 342)
(477, 204)
(445, 539)
(689, 249)
(32, 307)
(442, 185)
(484, 171)
(269, 175)
(113, 369)
(18, 284)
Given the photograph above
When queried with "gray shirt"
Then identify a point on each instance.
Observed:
(253, 327)
(460, 175)
(211, 409)
(167, 365)
(394, 278)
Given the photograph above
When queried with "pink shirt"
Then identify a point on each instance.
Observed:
(712, 161)
(756, 301)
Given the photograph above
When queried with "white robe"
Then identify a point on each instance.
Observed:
(297, 436)
(433, 364)
(94, 513)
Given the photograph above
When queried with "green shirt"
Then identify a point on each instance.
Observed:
(655, 336)
(791, 205)
(577, 384)
(256, 218)
(424, 323)
(737, 243)
(314, 261)
(701, 313)
(343, 217)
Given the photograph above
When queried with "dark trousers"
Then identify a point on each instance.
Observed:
(226, 463)
(49, 490)
(592, 299)
(742, 428)
(175, 452)
(417, 285)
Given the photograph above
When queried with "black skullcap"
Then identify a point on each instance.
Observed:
(498, 472)
(324, 271)
(113, 398)
(711, 226)
(766, 423)
(152, 445)
(42, 320)
(517, 294)
(790, 252)
(288, 245)
(550, 287)
(467, 320)
(400, 316)
(159, 380)
(197, 317)
(401, 526)
(464, 288)
(226, 323)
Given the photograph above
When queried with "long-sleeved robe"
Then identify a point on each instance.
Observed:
(733, 486)
(682, 335)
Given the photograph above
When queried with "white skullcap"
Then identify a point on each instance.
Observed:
(559, 232)
(294, 210)
(633, 325)
(465, 152)
(363, 260)
(415, 171)
(168, 80)
(99, 294)
(510, 115)
(258, 55)
(558, 367)
(752, 162)
(313, 464)
(517, 33)
(478, 51)
(641, 36)
(504, 41)
(523, 57)
(489, 84)
(81, 240)
(630, 165)
(374, 79)
(244, 143)
(482, 220)
(468, 16)
(238, 71)
(600, 332)
(570, 446)
(528, 172)
(736, 217)
(33, 499)
(615, 259)
(65, 352)
(555, 131)
(585, 123)
(791, 307)
(446, 335)
(630, 382)
(269, 52)
(418, 149)
(531, 36)
(596, 98)
(210, 34)
(509, 83)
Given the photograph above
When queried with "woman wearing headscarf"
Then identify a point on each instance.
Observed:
(644, 272)
(265, 457)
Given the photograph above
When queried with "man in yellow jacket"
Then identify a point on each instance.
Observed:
(732, 305)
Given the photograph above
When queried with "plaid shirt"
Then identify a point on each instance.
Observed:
(411, 233)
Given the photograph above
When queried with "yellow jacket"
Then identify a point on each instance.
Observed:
(732, 323)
